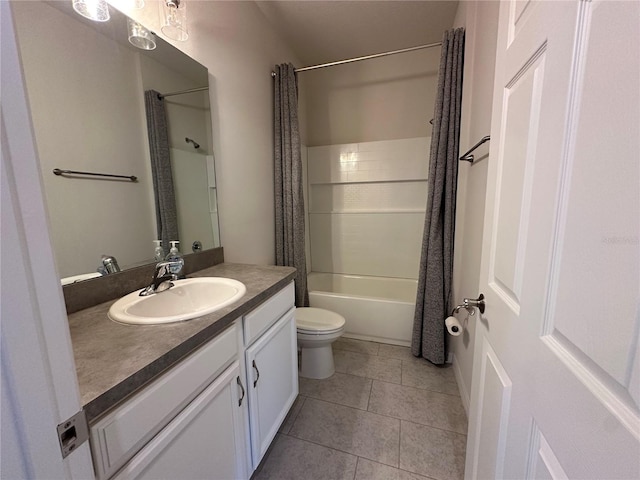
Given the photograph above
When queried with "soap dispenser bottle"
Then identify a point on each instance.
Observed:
(158, 254)
(174, 256)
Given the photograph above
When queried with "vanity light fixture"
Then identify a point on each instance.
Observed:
(174, 19)
(96, 10)
(139, 36)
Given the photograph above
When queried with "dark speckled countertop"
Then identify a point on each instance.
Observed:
(114, 360)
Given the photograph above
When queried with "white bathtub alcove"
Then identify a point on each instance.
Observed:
(375, 308)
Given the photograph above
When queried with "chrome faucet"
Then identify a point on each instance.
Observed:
(109, 265)
(163, 277)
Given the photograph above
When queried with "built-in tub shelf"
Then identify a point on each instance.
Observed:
(360, 212)
(358, 182)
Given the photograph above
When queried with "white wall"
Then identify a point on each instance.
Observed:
(239, 47)
(367, 206)
(381, 99)
(90, 216)
(480, 21)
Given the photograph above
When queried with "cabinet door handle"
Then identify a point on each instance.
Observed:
(255, 382)
(242, 388)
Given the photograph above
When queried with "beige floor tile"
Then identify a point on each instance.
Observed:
(291, 416)
(340, 388)
(405, 435)
(294, 459)
(370, 366)
(368, 470)
(420, 373)
(419, 406)
(432, 452)
(358, 346)
(395, 351)
(358, 432)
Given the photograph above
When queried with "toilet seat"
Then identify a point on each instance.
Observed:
(317, 332)
(317, 321)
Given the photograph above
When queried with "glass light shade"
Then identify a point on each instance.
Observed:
(97, 10)
(139, 36)
(174, 19)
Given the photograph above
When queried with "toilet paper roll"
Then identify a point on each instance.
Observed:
(453, 326)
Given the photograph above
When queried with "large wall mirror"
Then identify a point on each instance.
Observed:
(86, 84)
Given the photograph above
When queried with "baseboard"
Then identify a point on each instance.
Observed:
(464, 395)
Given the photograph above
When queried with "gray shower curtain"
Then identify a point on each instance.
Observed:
(165, 200)
(433, 300)
(290, 248)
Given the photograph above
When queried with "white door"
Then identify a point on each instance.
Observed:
(39, 388)
(556, 381)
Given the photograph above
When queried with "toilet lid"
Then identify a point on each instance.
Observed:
(318, 320)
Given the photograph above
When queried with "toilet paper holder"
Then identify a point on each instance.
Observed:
(469, 303)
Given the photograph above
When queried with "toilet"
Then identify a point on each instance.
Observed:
(317, 330)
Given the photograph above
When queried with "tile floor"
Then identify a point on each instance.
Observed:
(384, 415)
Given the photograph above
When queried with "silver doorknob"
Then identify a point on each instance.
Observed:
(475, 302)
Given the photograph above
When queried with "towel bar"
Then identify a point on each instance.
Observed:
(57, 171)
(468, 157)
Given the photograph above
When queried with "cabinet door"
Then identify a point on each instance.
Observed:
(117, 437)
(204, 441)
(272, 382)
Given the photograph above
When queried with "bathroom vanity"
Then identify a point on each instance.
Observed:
(202, 398)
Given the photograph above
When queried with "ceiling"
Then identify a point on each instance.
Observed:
(326, 31)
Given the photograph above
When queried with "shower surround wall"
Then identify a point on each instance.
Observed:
(366, 215)
(366, 207)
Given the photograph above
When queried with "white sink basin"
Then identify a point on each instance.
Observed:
(187, 299)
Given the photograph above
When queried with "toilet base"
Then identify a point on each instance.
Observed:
(317, 362)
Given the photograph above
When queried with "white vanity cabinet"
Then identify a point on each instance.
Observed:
(215, 413)
(272, 368)
(190, 423)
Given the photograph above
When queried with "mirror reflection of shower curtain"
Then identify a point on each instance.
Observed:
(164, 194)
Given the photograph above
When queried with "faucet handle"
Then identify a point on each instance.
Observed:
(162, 268)
(169, 267)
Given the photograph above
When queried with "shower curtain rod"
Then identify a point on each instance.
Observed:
(366, 57)
(182, 92)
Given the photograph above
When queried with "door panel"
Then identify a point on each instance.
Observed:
(598, 180)
(518, 15)
(544, 464)
(522, 98)
(491, 427)
(560, 263)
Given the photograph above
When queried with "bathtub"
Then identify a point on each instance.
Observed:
(375, 308)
